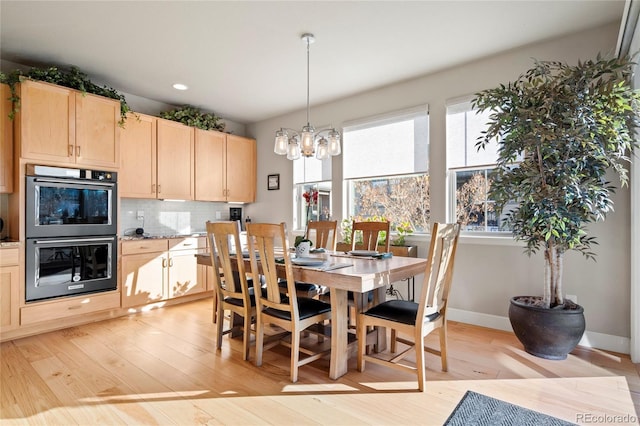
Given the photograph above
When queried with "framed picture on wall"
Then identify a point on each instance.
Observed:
(273, 182)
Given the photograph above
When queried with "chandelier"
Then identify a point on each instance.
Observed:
(307, 142)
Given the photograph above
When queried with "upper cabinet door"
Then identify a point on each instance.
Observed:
(97, 131)
(65, 126)
(6, 140)
(210, 165)
(241, 169)
(137, 178)
(175, 160)
(47, 122)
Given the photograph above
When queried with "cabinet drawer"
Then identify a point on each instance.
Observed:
(187, 243)
(69, 307)
(9, 256)
(144, 246)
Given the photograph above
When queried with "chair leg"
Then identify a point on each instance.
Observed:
(215, 307)
(362, 342)
(419, 347)
(394, 343)
(259, 340)
(245, 336)
(295, 354)
(443, 346)
(219, 326)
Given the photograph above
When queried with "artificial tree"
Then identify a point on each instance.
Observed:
(560, 128)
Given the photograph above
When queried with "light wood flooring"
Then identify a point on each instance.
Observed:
(161, 367)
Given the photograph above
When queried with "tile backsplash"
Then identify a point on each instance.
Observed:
(163, 217)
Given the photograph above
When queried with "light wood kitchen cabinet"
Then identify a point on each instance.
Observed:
(66, 126)
(9, 288)
(160, 269)
(175, 160)
(144, 269)
(6, 140)
(137, 177)
(225, 168)
(183, 266)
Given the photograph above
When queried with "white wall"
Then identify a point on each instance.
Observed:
(486, 275)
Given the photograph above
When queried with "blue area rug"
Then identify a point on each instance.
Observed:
(475, 409)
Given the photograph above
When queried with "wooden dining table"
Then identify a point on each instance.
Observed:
(342, 273)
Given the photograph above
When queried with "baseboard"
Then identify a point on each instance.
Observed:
(590, 339)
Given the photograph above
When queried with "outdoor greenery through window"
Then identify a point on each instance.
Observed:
(312, 191)
(385, 167)
(471, 171)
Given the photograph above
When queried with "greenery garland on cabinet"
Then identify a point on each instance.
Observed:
(73, 79)
(192, 116)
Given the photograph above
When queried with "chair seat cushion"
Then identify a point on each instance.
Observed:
(306, 307)
(403, 311)
(239, 302)
(302, 287)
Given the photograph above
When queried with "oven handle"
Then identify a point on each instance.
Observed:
(76, 182)
(79, 240)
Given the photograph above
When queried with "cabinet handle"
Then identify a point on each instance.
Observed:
(74, 307)
(170, 262)
(153, 188)
(159, 189)
(77, 151)
(70, 150)
(164, 262)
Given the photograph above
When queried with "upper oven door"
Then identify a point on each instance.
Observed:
(68, 207)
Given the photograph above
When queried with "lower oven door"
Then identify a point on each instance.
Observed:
(58, 267)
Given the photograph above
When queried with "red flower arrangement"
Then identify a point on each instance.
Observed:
(311, 197)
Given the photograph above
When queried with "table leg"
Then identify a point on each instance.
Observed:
(381, 335)
(339, 330)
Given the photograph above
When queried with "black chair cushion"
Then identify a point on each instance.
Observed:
(306, 308)
(239, 302)
(403, 311)
(303, 287)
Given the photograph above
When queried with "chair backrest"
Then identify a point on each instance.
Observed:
(370, 233)
(325, 231)
(439, 272)
(224, 240)
(267, 242)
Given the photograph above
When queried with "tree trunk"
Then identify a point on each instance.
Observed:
(553, 266)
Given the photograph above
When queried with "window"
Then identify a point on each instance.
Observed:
(311, 176)
(471, 170)
(385, 165)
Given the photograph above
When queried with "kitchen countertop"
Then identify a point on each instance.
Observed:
(157, 237)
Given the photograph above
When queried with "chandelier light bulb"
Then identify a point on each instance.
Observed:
(322, 151)
(282, 141)
(293, 149)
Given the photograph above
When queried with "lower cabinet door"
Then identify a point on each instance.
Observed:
(143, 278)
(183, 274)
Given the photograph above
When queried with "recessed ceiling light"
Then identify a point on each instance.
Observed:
(180, 86)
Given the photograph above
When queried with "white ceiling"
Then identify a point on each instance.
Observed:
(244, 60)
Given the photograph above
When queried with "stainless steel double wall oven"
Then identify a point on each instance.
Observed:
(71, 232)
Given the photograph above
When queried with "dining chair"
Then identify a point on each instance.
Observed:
(325, 233)
(414, 319)
(234, 291)
(288, 311)
(370, 232)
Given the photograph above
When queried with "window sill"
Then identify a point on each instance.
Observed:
(468, 238)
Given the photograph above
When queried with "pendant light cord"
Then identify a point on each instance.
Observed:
(308, 43)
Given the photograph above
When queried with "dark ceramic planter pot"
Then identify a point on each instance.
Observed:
(546, 333)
